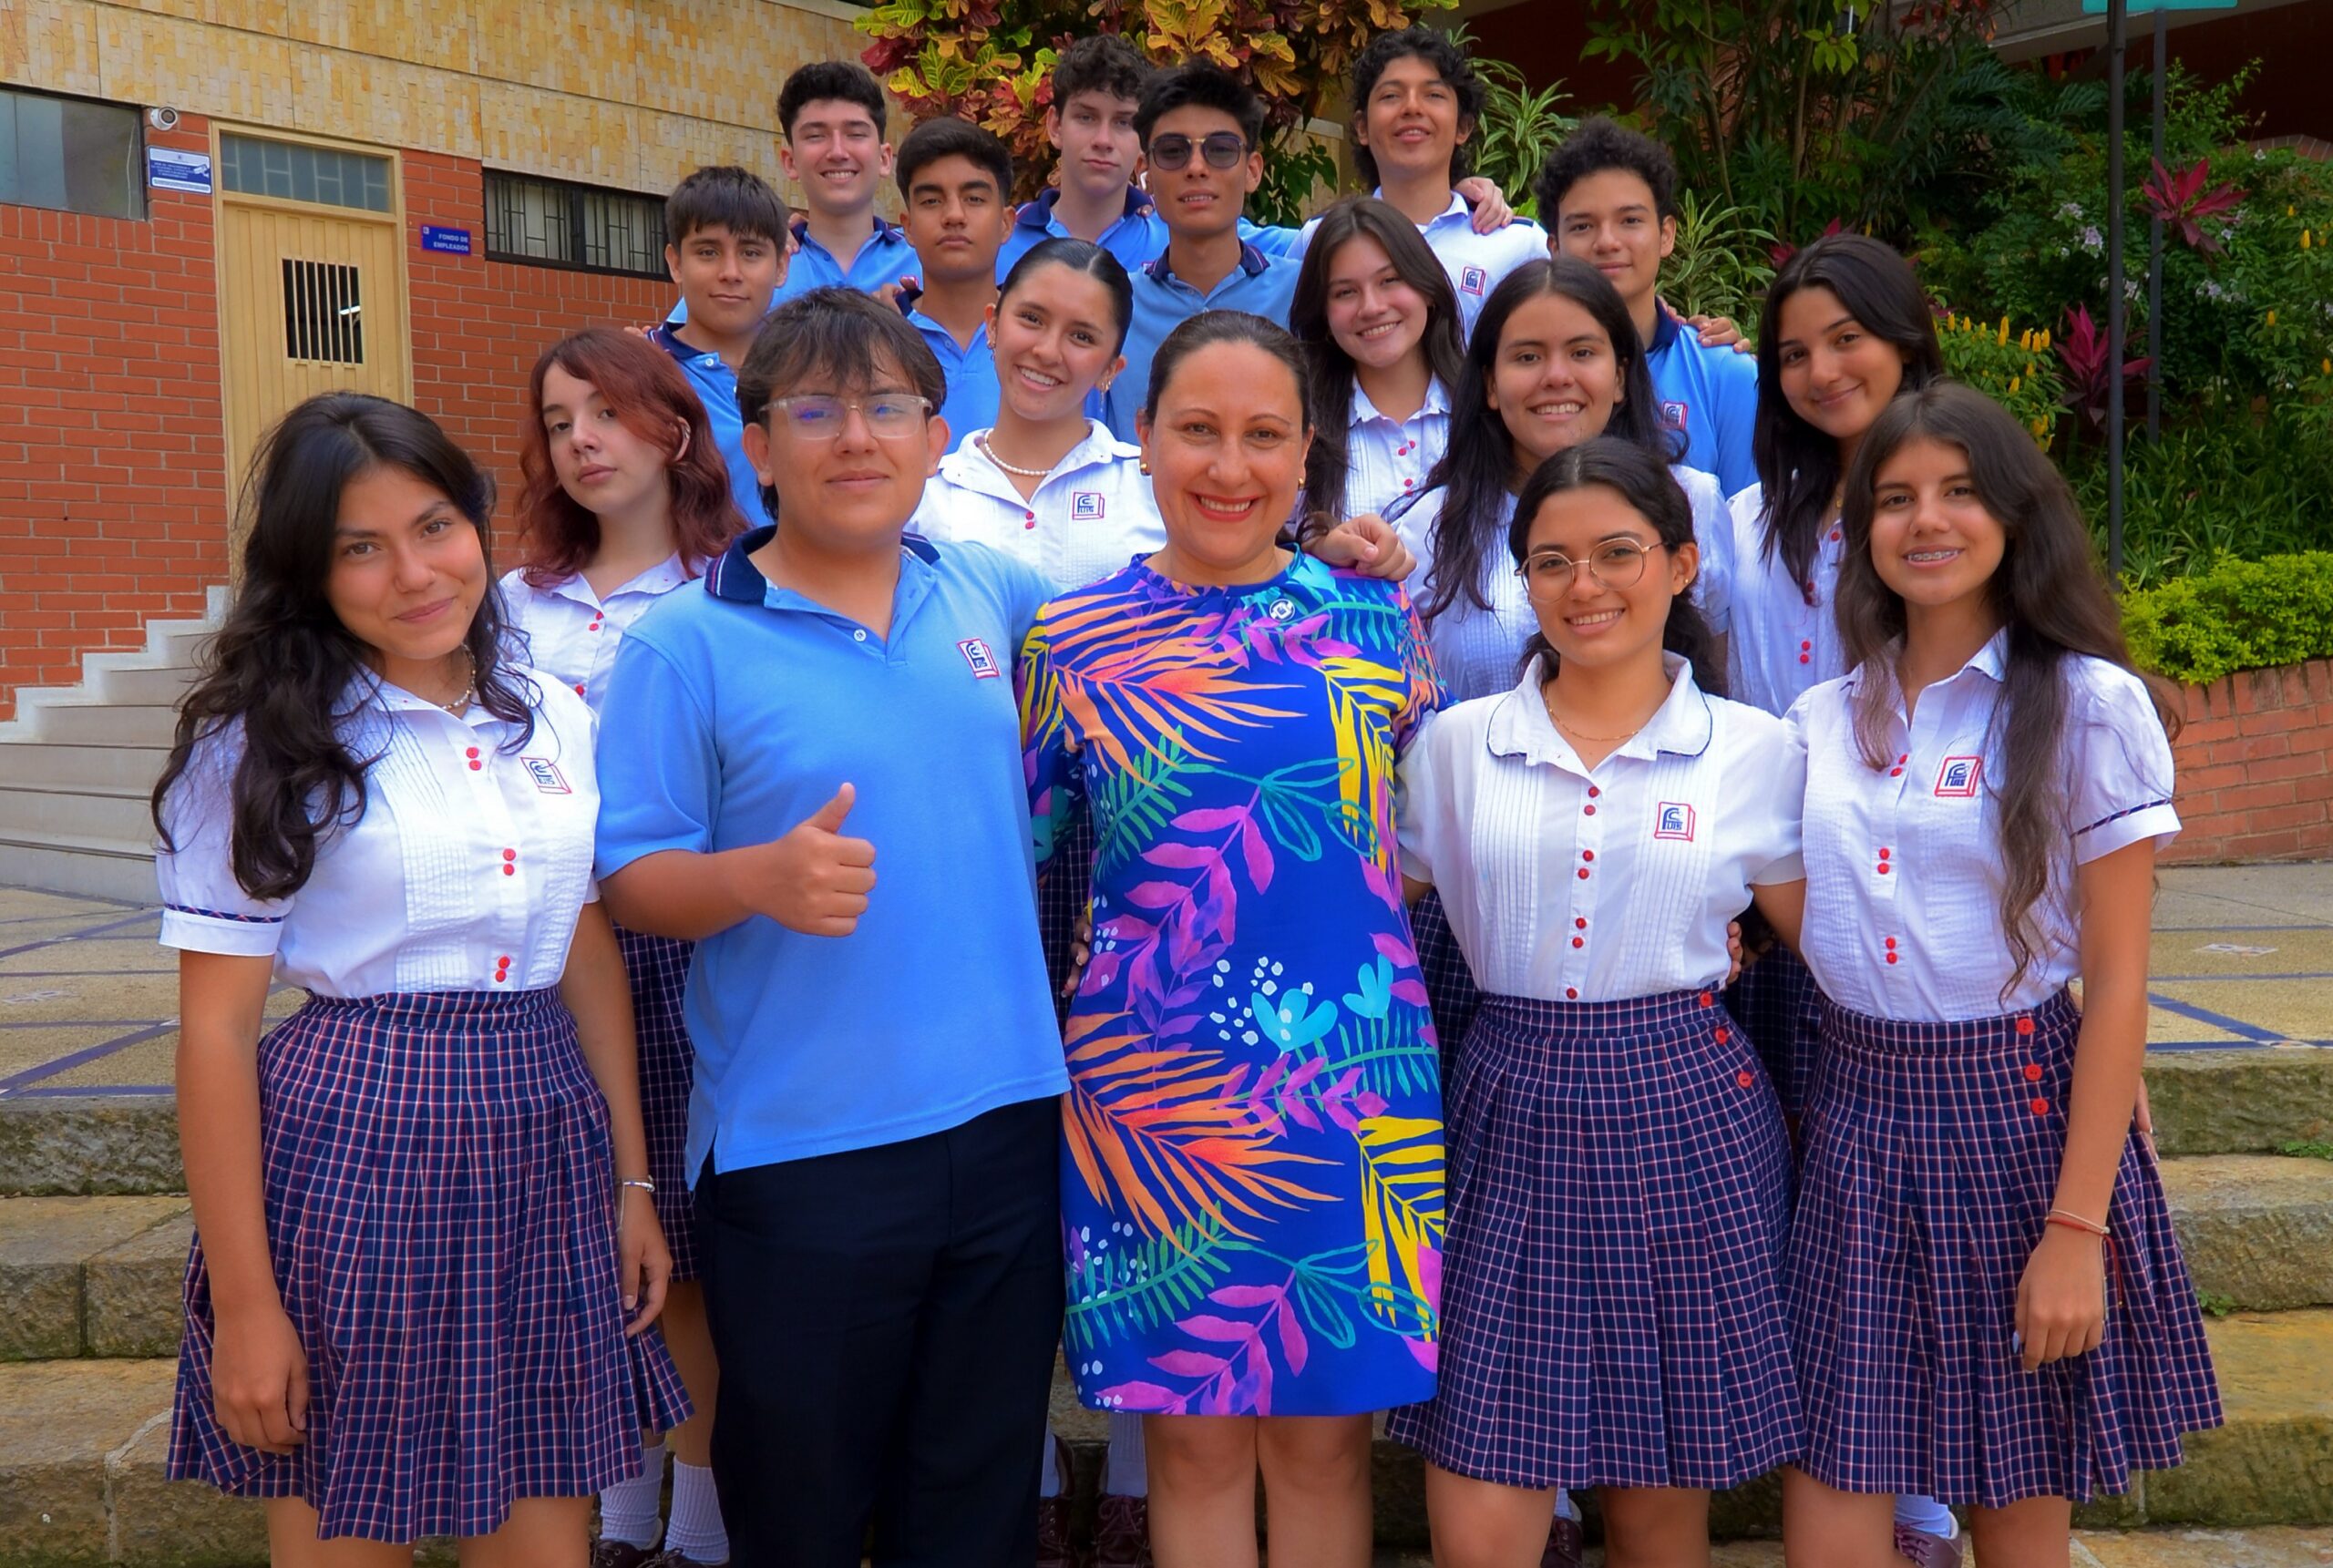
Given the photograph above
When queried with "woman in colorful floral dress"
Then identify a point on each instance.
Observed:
(1252, 1187)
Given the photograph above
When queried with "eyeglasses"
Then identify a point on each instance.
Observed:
(1173, 151)
(1614, 563)
(820, 416)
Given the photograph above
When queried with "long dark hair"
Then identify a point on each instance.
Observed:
(282, 663)
(1078, 256)
(1640, 477)
(1798, 465)
(1328, 369)
(1477, 472)
(2048, 593)
(559, 534)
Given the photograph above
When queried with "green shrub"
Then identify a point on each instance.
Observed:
(2221, 482)
(2235, 615)
(2014, 366)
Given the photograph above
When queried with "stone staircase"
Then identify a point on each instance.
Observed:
(92, 1234)
(77, 763)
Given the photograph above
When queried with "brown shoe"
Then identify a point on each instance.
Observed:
(1565, 1545)
(1122, 1534)
(1054, 1550)
(1923, 1548)
(606, 1554)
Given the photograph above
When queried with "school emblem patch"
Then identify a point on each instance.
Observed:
(546, 774)
(1085, 505)
(1673, 819)
(1957, 779)
(1673, 417)
(1473, 279)
(984, 662)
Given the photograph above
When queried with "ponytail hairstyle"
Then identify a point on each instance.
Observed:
(1476, 473)
(1636, 475)
(283, 663)
(1211, 327)
(1798, 465)
(648, 394)
(2048, 594)
(1328, 369)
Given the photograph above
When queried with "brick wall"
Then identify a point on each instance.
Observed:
(478, 325)
(2256, 767)
(113, 498)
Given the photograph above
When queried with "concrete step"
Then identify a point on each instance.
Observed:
(2274, 1546)
(93, 1145)
(91, 1276)
(114, 813)
(106, 723)
(34, 763)
(2240, 1102)
(142, 683)
(2256, 1229)
(117, 869)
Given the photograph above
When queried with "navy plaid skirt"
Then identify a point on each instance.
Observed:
(1778, 1002)
(658, 968)
(440, 1209)
(1611, 1293)
(1931, 1157)
(1451, 993)
(1062, 892)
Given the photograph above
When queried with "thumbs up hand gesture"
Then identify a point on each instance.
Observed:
(815, 879)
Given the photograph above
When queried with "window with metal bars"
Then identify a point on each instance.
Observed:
(552, 223)
(323, 315)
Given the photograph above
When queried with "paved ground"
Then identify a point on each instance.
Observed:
(2243, 956)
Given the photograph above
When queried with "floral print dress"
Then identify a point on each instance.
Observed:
(1252, 1172)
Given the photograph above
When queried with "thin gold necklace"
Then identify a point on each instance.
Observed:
(1570, 729)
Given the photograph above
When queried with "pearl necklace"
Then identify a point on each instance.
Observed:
(988, 452)
(470, 688)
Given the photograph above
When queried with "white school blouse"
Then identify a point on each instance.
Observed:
(466, 870)
(1388, 459)
(571, 633)
(1565, 883)
(1477, 652)
(1781, 633)
(1090, 516)
(1903, 862)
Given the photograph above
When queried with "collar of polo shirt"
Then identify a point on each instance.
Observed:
(1681, 725)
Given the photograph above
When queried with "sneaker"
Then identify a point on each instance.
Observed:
(1567, 1545)
(1054, 1550)
(607, 1553)
(1924, 1550)
(1122, 1534)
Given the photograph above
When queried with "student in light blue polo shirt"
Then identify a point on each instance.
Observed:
(955, 179)
(811, 767)
(1609, 197)
(1200, 126)
(724, 232)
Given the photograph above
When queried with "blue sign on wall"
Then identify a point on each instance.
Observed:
(452, 241)
(170, 170)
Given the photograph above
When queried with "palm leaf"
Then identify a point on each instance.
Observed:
(1402, 1209)
(1145, 1285)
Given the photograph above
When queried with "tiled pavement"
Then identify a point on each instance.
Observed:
(2243, 957)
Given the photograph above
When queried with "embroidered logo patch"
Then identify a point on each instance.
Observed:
(1085, 505)
(546, 774)
(1673, 417)
(977, 655)
(1473, 280)
(1957, 779)
(1673, 819)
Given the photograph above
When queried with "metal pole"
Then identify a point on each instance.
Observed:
(2116, 16)
(2154, 241)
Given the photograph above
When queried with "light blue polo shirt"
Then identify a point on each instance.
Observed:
(1137, 239)
(736, 712)
(1710, 394)
(972, 390)
(885, 257)
(1259, 284)
(715, 385)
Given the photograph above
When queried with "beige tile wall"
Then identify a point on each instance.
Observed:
(630, 93)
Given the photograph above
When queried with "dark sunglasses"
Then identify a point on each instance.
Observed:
(1173, 151)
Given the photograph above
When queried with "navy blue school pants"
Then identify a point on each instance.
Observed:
(886, 1320)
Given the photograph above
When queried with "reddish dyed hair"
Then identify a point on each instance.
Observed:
(557, 534)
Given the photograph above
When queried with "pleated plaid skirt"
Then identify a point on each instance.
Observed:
(1778, 1002)
(658, 968)
(1451, 993)
(440, 1209)
(1930, 1159)
(1063, 893)
(1619, 1197)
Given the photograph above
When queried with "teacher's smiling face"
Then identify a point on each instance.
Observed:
(1226, 449)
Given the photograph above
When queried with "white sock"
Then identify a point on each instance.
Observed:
(1049, 1476)
(1926, 1513)
(628, 1509)
(696, 1531)
(1565, 1507)
(1128, 1474)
